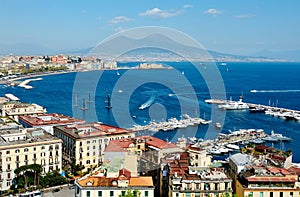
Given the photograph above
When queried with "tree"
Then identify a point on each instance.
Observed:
(26, 171)
(52, 179)
(130, 193)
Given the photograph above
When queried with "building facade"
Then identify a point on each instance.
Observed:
(84, 144)
(15, 109)
(267, 182)
(19, 147)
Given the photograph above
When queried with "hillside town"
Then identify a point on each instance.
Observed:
(96, 159)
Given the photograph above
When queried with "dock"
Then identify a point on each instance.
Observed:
(27, 81)
(170, 124)
(12, 97)
(281, 112)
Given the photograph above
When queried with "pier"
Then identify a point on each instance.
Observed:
(171, 124)
(27, 81)
(268, 110)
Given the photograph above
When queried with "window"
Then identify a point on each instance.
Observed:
(87, 142)
(216, 186)
(123, 193)
(43, 147)
(99, 193)
(188, 186)
(17, 151)
(251, 194)
(88, 193)
(111, 193)
(94, 141)
(187, 194)
(226, 185)
(196, 156)
(146, 193)
(177, 194)
(197, 186)
(291, 194)
(8, 152)
(271, 194)
(25, 149)
(8, 159)
(281, 194)
(261, 194)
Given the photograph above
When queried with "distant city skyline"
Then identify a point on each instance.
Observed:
(235, 27)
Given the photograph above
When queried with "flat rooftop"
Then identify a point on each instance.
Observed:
(31, 136)
(89, 130)
(49, 119)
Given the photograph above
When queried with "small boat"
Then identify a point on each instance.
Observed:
(270, 139)
(215, 152)
(257, 109)
(257, 141)
(233, 146)
(108, 106)
(118, 74)
(223, 64)
(83, 105)
(218, 125)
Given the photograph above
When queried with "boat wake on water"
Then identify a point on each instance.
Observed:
(277, 91)
(148, 103)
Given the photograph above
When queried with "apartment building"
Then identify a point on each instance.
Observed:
(20, 146)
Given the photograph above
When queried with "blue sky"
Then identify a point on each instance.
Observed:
(232, 26)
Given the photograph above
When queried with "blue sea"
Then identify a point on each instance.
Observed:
(173, 92)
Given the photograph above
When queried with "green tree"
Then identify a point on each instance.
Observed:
(53, 179)
(130, 193)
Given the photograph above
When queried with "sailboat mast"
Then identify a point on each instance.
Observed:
(83, 104)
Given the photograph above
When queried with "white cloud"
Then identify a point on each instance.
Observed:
(186, 6)
(245, 16)
(158, 13)
(120, 19)
(212, 11)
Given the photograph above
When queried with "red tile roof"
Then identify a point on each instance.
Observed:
(271, 179)
(155, 142)
(118, 145)
(49, 119)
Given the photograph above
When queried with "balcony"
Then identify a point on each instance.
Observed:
(34, 159)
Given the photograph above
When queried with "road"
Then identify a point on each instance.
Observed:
(65, 192)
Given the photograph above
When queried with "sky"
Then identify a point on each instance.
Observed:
(232, 26)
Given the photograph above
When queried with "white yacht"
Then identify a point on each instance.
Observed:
(235, 105)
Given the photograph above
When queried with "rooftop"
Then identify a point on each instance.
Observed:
(26, 137)
(88, 130)
(241, 159)
(155, 142)
(49, 119)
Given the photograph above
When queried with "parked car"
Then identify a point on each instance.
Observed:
(55, 190)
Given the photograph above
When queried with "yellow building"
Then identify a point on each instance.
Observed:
(267, 182)
(84, 144)
(19, 147)
(15, 109)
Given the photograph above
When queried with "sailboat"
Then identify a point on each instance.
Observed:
(90, 99)
(75, 100)
(83, 105)
(108, 106)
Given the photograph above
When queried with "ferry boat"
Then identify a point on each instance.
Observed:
(235, 105)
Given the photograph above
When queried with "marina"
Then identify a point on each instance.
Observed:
(234, 141)
(170, 124)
